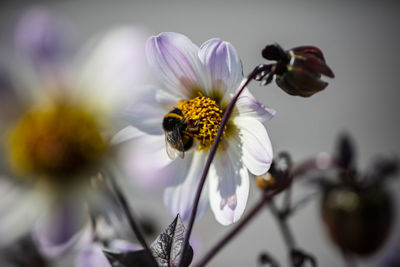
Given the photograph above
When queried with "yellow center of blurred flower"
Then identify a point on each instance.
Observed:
(57, 143)
(203, 113)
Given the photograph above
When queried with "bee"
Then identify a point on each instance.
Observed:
(177, 129)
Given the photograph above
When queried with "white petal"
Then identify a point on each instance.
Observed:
(223, 65)
(248, 106)
(114, 66)
(148, 109)
(19, 210)
(229, 186)
(145, 160)
(126, 134)
(173, 58)
(179, 197)
(257, 148)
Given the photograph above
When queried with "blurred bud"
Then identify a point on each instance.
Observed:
(298, 71)
(358, 219)
(277, 174)
(382, 168)
(265, 181)
(391, 257)
(345, 152)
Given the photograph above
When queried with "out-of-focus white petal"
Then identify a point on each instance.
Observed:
(19, 210)
(62, 229)
(173, 58)
(229, 186)
(123, 245)
(114, 67)
(179, 197)
(92, 256)
(222, 65)
(248, 106)
(257, 148)
(145, 160)
(147, 110)
(126, 134)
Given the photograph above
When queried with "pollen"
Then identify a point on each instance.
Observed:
(204, 116)
(56, 142)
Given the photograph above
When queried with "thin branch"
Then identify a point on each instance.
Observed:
(214, 250)
(267, 197)
(283, 226)
(131, 220)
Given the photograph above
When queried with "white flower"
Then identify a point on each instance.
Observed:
(200, 82)
(58, 140)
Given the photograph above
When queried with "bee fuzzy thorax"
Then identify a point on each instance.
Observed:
(205, 113)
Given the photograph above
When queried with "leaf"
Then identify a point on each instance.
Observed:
(169, 244)
(166, 250)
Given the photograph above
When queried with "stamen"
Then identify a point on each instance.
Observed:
(58, 141)
(204, 114)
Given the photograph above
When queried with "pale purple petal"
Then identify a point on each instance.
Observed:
(145, 160)
(223, 65)
(257, 148)
(179, 197)
(148, 109)
(229, 186)
(43, 38)
(92, 256)
(62, 229)
(248, 106)
(123, 246)
(173, 58)
(113, 67)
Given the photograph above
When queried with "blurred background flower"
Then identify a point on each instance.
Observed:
(55, 137)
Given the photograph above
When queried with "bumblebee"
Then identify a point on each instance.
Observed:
(177, 133)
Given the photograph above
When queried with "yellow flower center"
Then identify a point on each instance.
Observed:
(56, 143)
(205, 115)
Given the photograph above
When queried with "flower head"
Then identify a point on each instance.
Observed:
(183, 113)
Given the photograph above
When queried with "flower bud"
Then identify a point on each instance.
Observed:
(358, 219)
(298, 71)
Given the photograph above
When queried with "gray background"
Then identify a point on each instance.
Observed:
(360, 42)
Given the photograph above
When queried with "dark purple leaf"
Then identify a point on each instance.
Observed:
(165, 249)
(168, 245)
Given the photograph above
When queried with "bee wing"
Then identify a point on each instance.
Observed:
(174, 144)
